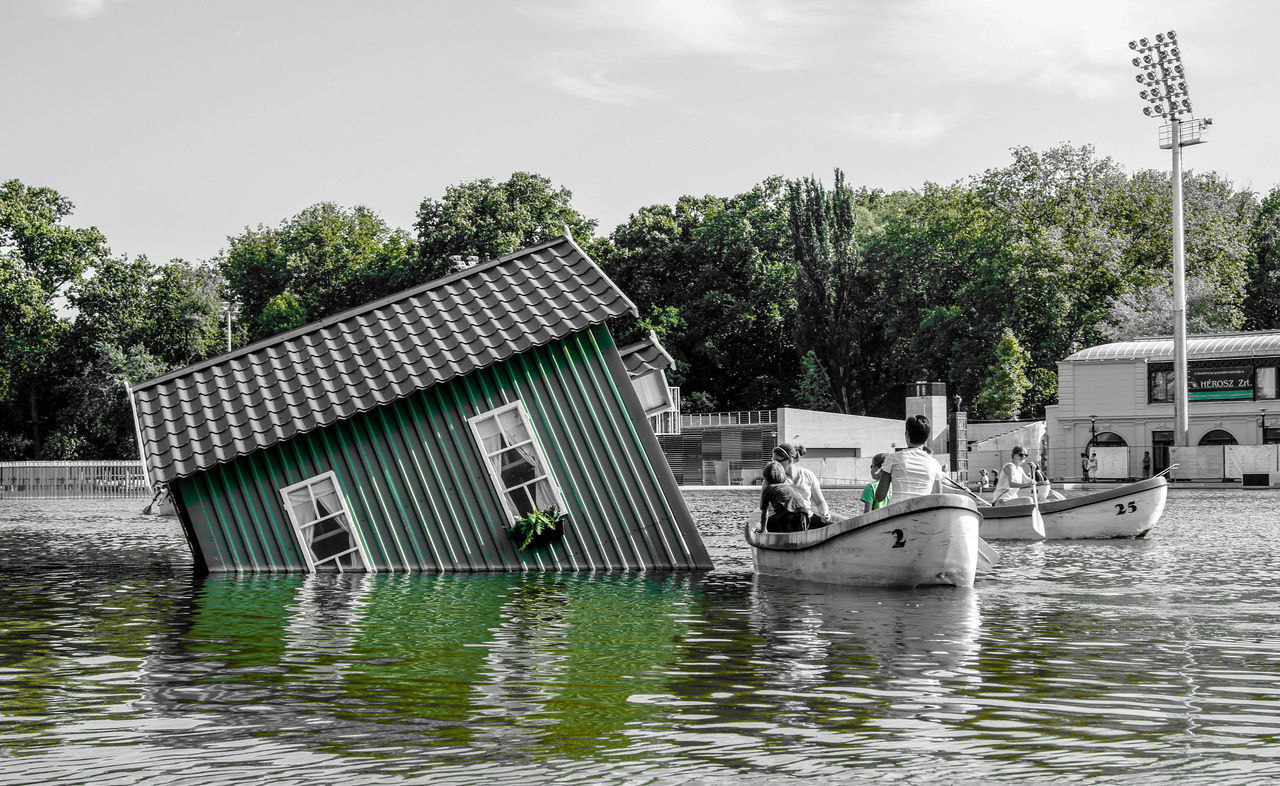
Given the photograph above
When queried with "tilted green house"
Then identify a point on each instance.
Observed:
(405, 434)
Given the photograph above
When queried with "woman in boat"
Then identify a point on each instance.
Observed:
(805, 482)
(782, 509)
(912, 472)
(1014, 476)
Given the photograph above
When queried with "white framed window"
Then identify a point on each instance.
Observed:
(323, 525)
(516, 462)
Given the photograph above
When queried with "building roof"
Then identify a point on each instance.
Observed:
(1200, 346)
(328, 371)
(645, 356)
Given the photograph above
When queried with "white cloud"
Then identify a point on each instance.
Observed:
(581, 76)
(83, 9)
(900, 129)
(759, 34)
(1073, 49)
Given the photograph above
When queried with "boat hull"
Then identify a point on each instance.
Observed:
(929, 540)
(1016, 519)
(1128, 511)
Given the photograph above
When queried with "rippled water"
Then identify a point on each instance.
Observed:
(1139, 661)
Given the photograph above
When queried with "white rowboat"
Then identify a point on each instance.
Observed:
(931, 539)
(1128, 511)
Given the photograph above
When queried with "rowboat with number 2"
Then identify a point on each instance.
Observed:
(931, 539)
(1128, 511)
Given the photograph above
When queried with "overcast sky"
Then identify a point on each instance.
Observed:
(172, 125)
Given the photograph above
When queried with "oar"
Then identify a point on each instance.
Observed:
(966, 490)
(1167, 469)
(987, 556)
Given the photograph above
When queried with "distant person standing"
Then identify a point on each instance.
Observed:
(1146, 464)
(1084, 466)
(1093, 465)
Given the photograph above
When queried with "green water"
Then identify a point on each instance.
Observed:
(1128, 661)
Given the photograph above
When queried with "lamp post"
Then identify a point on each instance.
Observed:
(229, 309)
(1093, 430)
(1163, 80)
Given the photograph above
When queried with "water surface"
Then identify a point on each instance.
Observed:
(1130, 661)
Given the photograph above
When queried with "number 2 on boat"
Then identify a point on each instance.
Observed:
(899, 540)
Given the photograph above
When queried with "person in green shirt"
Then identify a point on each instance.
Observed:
(869, 493)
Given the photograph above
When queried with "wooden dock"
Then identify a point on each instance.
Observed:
(72, 479)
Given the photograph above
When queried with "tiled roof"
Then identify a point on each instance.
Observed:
(318, 374)
(645, 356)
(1262, 343)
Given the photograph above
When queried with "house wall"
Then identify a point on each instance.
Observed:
(421, 497)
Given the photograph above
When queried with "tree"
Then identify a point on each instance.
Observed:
(39, 258)
(813, 389)
(832, 281)
(487, 219)
(328, 259)
(712, 276)
(1262, 300)
(1007, 384)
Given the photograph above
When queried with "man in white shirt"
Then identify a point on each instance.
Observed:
(912, 472)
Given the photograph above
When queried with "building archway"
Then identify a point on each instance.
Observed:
(1109, 439)
(1217, 437)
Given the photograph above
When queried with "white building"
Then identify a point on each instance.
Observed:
(1117, 400)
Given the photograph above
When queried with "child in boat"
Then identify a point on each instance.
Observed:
(869, 493)
(782, 509)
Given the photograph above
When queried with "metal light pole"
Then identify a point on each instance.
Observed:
(1164, 86)
(230, 309)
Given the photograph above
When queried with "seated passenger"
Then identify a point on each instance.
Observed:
(782, 509)
(803, 480)
(869, 493)
(912, 472)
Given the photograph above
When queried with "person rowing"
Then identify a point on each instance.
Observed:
(1014, 476)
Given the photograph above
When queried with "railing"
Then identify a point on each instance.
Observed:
(720, 419)
(68, 479)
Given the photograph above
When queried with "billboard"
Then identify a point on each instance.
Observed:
(1224, 383)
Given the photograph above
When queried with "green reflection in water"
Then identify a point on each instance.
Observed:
(521, 664)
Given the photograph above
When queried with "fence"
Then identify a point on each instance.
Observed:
(83, 479)
(717, 419)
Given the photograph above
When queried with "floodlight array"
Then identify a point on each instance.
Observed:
(1163, 79)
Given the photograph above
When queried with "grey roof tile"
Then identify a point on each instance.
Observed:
(645, 356)
(319, 374)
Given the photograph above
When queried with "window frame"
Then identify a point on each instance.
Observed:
(304, 543)
(495, 476)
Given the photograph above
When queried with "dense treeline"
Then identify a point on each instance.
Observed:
(793, 293)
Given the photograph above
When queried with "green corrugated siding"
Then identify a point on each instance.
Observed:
(422, 499)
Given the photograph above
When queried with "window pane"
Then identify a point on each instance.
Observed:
(513, 427)
(489, 433)
(523, 501)
(329, 538)
(327, 501)
(1265, 382)
(300, 502)
(514, 466)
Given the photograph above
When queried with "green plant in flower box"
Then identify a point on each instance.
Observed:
(537, 527)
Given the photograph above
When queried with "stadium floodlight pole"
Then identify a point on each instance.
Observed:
(1163, 79)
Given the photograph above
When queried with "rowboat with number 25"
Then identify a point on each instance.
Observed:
(1128, 511)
